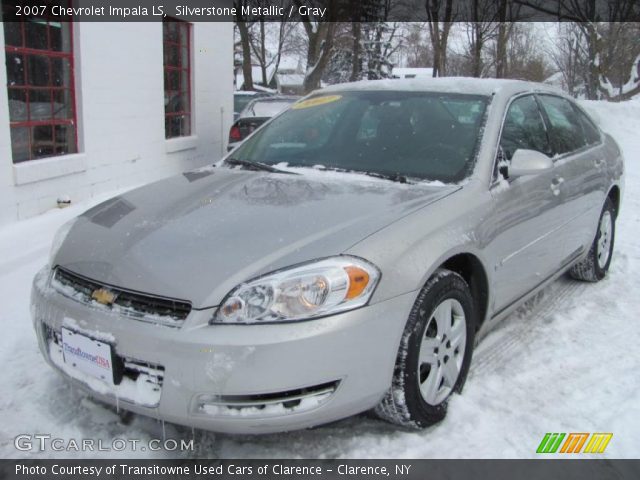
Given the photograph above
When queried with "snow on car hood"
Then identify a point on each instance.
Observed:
(197, 235)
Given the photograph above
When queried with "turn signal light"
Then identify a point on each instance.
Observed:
(358, 281)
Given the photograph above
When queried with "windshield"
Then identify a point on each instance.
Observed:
(241, 100)
(423, 135)
(266, 108)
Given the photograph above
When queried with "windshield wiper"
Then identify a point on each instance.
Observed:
(394, 177)
(255, 166)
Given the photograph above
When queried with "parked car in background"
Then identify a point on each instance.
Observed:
(345, 257)
(255, 113)
(242, 97)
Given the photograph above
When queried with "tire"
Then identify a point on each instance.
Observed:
(595, 265)
(417, 399)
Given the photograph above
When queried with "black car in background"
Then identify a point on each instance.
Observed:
(257, 111)
(241, 99)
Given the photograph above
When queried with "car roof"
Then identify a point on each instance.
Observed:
(268, 99)
(276, 98)
(249, 93)
(474, 86)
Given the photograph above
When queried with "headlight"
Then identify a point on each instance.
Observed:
(58, 238)
(310, 290)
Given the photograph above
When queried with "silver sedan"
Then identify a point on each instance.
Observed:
(347, 256)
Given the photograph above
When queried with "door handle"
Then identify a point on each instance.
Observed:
(556, 183)
(599, 162)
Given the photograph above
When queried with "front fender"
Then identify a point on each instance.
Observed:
(411, 249)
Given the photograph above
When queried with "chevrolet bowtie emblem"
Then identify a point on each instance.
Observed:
(104, 296)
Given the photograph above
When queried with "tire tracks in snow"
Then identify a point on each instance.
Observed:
(513, 332)
(35, 254)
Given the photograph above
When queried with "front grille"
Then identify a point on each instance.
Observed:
(140, 306)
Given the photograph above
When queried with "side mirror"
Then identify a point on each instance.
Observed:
(529, 162)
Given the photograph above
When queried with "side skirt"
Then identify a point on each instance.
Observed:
(497, 317)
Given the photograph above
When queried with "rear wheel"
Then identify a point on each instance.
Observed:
(595, 265)
(434, 355)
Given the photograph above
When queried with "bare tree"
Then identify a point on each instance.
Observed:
(440, 16)
(286, 31)
(320, 35)
(415, 45)
(382, 40)
(568, 56)
(345, 64)
(364, 55)
(259, 48)
(526, 59)
(480, 30)
(491, 24)
(261, 41)
(501, 40)
(508, 13)
(356, 63)
(588, 15)
(245, 43)
(268, 41)
(620, 50)
(246, 53)
(619, 45)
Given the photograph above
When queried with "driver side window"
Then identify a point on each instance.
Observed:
(524, 128)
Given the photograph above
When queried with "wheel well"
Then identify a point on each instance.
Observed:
(614, 196)
(470, 268)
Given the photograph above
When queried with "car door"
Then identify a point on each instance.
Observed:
(526, 216)
(579, 162)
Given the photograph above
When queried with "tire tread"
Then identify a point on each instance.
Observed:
(393, 407)
(587, 269)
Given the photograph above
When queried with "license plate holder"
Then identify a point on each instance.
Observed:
(90, 356)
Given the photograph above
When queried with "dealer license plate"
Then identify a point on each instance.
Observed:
(90, 356)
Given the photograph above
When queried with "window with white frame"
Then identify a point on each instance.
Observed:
(176, 44)
(40, 85)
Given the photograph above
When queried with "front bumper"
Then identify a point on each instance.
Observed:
(288, 376)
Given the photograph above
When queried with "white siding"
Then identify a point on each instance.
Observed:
(120, 102)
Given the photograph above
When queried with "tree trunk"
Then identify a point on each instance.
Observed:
(435, 46)
(501, 41)
(439, 33)
(263, 54)
(476, 49)
(320, 35)
(320, 45)
(593, 81)
(356, 67)
(246, 55)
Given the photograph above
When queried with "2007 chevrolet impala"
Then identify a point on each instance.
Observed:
(347, 256)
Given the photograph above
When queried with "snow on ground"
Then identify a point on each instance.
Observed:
(566, 362)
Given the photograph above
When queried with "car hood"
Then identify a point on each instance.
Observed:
(197, 235)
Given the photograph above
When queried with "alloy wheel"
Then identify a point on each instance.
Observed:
(442, 351)
(604, 240)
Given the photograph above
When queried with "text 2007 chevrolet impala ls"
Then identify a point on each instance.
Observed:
(345, 257)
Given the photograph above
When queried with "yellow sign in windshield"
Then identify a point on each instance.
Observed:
(315, 101)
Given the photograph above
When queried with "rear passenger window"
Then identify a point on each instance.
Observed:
(523, 128)
(565, 131)
(591, 132)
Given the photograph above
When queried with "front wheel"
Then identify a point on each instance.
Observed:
(434, 355)
(596, 264)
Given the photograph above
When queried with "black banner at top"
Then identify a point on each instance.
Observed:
(325, 10)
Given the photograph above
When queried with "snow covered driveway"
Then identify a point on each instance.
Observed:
(567, 362)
